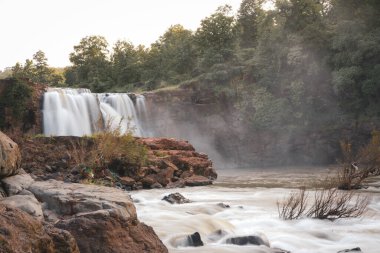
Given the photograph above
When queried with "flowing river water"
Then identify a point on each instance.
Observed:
(252, 196)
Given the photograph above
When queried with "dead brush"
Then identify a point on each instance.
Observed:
(328, 204)
(294, 206)
(359, 166)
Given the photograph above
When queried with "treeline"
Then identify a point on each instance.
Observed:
(303, 63)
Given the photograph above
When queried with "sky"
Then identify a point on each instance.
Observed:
(55, 26)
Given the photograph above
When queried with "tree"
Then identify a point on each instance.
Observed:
(42, 72)
(172, 56)
(216, 37)
(250, 16)
(125, 63)
(90, 62)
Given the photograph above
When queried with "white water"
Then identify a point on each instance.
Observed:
(254, 211)
(79, 112)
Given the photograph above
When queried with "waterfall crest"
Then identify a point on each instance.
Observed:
(78, 112)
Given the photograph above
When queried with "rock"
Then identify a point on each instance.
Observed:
(165, 175)
(110, 233)
(222, 205)
(10, 156)
(20, 232)
(176, 198)
(27, 203)
(62, 239)
(245, 240)
(166, 144)
(197, 181)
(15, 184)
(127, 181)
(194, 240)
(216, 235)
(70, 199)
(101, 219)
(179, 183)
(149, 180)
(3, 193)
(156, 186)
(356, 250)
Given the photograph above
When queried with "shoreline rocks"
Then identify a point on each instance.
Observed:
(171, 163)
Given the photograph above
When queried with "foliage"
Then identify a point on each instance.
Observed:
(37, 70)
(15, 98)
(216, 37)
(90, 63)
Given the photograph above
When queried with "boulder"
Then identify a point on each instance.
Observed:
(108, 232)
(166, 144)
(176, 198)
(194, 240)
(27, 203)
(196, 180)
(69, 199)
(246, 240)
(101, 219)
(127, 181)
(15, 184)
(20, 232)
(354, 250)
(10, 156)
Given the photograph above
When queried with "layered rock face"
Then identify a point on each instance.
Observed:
(10, 157)
(171, 163)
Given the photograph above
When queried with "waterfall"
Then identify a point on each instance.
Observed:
(79, 112)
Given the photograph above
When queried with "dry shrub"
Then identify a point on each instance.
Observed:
(79, 151)
(356, 167)
(329, 204)
(294, 206)
(334, 204)
(96, 154)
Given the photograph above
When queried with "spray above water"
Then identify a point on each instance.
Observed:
(78, 112)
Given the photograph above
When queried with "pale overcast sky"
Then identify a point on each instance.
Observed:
(55, 26)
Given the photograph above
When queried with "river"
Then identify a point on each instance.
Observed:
(252, 196)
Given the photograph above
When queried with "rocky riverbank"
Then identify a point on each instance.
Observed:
(170, 163)
(44, 210)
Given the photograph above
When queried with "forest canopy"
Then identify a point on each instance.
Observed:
(302, 62)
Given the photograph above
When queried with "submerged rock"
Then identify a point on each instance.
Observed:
(222, 205)
(194, 240)
(354, 250)
(246, 240)
(10, 156)
(176, 198)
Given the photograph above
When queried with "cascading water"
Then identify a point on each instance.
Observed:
(78, 112)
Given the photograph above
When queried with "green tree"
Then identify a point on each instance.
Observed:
(90, 62)
(41, 71)
(216, 37)
(125, 63)
(250, 16)
(172, 56)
